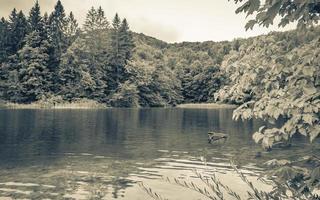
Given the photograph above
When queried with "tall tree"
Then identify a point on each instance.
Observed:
(46, 26)
(90, 22)
(18, 27)
(101, 20)
(72, 30)
(4, 33)
(96, 38)
(116, 57)
(126, 40)
(75, 79)
(116, 22)
(57, 21)
(35, 19)
(32, 68)
(4, 37)
(95, 20)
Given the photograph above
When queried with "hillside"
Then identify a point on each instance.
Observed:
(107, 63)
(202, 68)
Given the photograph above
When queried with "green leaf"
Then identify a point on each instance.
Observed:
(308, 118)
(273, 10)
(315, 175)
(309, 90)
(314, 133)
(275, 162)
(257, 137)
(286, 173)
(254, 6)
(250, 24)
(303, 131)
(308, 71)
(243, 8)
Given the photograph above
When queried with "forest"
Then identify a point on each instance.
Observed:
(274, 77)
(50, 58)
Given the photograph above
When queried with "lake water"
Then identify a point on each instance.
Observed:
(92, 154)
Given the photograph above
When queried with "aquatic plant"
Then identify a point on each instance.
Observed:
(214, 189)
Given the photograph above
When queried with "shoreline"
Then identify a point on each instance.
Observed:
(96, 105)
(207, 106)
(55, 106)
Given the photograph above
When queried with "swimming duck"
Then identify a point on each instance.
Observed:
(213, 136)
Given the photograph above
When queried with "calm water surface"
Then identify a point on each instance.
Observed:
(83, 154)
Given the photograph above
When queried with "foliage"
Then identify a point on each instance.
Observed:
(127, 96)
(35, 19)
(57, 22)
(98, 60)
(74, 75)
(32, 72)
(272, 81)
(72, 30)
(305, 12)
(18, 27)
(213, 188)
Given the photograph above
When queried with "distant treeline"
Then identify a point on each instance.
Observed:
(51, 57)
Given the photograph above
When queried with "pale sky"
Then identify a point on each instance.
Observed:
(168, 20)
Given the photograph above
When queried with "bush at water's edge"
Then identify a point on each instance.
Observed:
(55, 102)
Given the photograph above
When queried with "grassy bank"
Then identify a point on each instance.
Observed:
(79, 104)
(206, 105)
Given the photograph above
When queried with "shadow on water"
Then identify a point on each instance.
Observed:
(64, 154)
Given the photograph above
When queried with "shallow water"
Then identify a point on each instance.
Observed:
(83, 154)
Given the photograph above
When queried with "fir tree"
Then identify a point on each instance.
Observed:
(35, 19)
(95, 20)
(90, 22)
(75, 79)
(121, 48)
(57, 22)
(72, 29)
(97, 39)
(13, 16)
(4, 39)
(116, 57)
(116, 22)
(101, 20)
(18, 26)
(32, 68)
(46, 26)
(125, 40)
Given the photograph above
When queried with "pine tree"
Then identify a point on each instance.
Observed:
(126, 40)
(57, 22)
(96, 38)
(72, 30)
(121, 48)
(35, 19)
(12, 86)
(75, 79)
(101, 20)
(4, 39)
(116, 58)
(116, 22)
(46, 22)
(95, 20)
(18, 27)
(90, 22)
(32, 68)
(13, 16)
